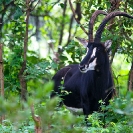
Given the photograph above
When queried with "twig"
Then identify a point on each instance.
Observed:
(37, 120)
(74, 14)
(35, 6)
(62, 26)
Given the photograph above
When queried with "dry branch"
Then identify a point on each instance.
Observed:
(23, 82)
(37, 121)
(35, 5)
(74, 14)
(62, 26)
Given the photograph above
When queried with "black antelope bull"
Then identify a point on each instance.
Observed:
(90, 80)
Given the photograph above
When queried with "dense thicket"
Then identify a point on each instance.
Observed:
(38, 38)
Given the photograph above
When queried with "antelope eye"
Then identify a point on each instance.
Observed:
(98, 49)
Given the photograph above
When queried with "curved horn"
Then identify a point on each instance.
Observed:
(91, 23)
(104, 22)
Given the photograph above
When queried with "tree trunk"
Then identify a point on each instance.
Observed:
(1, 79)
(130, 79)
(23, 82)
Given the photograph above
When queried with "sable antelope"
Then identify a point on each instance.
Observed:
(62, 73)
(90, 81)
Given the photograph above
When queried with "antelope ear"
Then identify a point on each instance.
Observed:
(108, 44)
(82, 41)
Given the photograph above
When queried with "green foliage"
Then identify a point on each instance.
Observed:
(116, 117)
(36, 70)
(18, 13)
(46, 22)
(12, 62)
(21, 121)
(120, 69)
(72, 53)
(50, 24)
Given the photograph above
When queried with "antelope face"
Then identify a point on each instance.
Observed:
(95, 58)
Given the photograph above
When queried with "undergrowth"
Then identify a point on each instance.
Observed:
(114, 118)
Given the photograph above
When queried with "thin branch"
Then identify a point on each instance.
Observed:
(26, 34)
(23, 82)
(39, 15)
(35, 6)
(1, 72)
(62, 25)
(70, 27)
(37, 120)
(33, 34)
(74, 14)
(54, 4)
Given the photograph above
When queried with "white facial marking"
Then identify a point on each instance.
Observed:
(87, 50)
(84, 71)
(92, 65)
(94, 52)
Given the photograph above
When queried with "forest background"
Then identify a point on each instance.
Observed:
(37, 38)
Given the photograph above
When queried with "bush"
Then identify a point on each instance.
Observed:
(116, 117)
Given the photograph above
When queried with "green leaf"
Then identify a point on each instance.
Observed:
(63, 58)
(1, 7)
(62, 5)
(54, 65)
(1, 1)
(18, 13)
(8, 1)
